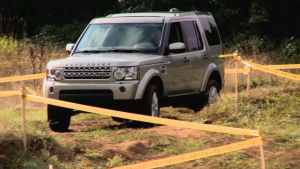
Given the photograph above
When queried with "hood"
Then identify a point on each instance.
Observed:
(108, 59)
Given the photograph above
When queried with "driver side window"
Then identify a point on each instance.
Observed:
(175, 33)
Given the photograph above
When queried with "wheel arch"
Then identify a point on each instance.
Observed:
(212, 73)
(157, 81)
(151, 77)
(215, 75)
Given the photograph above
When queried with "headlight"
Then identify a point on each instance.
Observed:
(128, 73)
(53, 74)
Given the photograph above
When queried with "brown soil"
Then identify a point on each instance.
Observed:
(130, 151)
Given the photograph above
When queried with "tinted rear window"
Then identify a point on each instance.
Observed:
(190, 32)
(210, 30)
(198, 35)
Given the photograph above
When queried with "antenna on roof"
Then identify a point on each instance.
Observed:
(174, 10)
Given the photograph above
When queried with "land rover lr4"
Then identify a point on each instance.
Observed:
(131, 61)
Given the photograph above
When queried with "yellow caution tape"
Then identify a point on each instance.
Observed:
(227, 71)
(225, 56)
(266, 68)
(138, 117)
(289, 66)
(272, 71)
(21, 78)
(10, 93)
(30, 91)
(194, 155)
(230, 71)
(248, 69)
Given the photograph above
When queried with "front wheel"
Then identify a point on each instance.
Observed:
(150, 103)
(59, 118)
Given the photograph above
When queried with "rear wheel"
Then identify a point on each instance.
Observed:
(59, 118)
(212, 92)
(210, 96)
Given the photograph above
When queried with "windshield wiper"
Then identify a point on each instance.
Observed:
(90, 51)
(125, 50)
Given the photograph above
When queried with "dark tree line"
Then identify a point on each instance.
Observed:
(37, 13)
(65, 19)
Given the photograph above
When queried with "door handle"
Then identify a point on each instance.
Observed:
(205, 56)
(186, 59)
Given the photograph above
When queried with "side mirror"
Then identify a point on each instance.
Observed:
(69, 47)
(177, 47)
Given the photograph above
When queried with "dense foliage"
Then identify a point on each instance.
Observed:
(270, 24)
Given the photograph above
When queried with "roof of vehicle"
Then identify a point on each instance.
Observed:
(146, 17)
(137, 19)
(159, 14)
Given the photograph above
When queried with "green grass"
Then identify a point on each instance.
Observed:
(160, 145)
(138, 135)
(184, 146)
(274, 109)
(89, 116)
(37, 162)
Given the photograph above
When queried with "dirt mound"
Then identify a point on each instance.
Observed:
(128, 150)
(178, 132)
(111, 153)
(134, 148)
(11, 148)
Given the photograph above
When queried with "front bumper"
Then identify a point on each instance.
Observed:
(90, 91)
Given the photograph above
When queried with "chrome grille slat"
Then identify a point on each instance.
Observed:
(87, 72)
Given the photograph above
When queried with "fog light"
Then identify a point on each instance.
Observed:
(51, 90)
(122, 89)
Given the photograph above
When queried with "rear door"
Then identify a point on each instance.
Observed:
(197, 54)
(214, 40)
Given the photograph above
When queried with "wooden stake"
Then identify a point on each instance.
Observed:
(236, 84)
(262, 156)
(263, 165)
(23, 116)
(248, 82)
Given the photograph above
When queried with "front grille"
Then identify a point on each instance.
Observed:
(87, 72)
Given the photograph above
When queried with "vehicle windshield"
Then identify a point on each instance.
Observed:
(120, 37)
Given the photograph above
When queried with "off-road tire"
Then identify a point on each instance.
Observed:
(147, 104)
(198, 102)
(58, 118)
(211, 85)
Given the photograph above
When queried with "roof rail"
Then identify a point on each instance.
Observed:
(174, 10)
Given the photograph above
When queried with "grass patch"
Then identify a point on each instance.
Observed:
(89, 116)
(274, 109)
(139, 135)
(184, 146)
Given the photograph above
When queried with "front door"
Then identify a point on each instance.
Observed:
(179, 69)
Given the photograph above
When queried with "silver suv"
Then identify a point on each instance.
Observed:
(134, 61)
